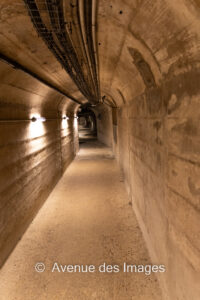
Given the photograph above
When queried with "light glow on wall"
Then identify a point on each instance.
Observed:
(65, 117)
(64, 124)
(36, 127)
(38, 119)
(76, 123)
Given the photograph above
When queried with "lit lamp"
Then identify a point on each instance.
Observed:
(40, 119)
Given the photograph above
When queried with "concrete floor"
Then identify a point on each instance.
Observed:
(86, 134)
(87, 220)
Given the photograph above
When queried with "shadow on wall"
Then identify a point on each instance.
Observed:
(104, 124)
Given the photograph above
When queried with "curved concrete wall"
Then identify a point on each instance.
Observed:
(149, 64)
(104, 125)
(33, 155)
(148, 58)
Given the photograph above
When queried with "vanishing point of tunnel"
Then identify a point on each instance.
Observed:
(99, 150)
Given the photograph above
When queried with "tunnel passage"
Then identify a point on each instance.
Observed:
(87, 124)
(136, 64)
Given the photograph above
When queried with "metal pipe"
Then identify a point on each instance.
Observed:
(94, 16)
(83, 31)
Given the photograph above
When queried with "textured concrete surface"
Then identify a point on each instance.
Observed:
(159, 156)
(86, 220)
(149, 64)
(23, 44)
(104, 124)
(148, 67)
(33, 158)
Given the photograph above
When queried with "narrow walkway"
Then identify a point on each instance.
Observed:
(87, 220)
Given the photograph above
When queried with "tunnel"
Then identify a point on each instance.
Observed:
(87, 124)
(99, 149)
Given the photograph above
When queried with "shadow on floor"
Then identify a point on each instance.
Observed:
(86, 135)
(93, 149)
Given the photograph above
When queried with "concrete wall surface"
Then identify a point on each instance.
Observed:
(159, 153)
(149, 65)
(136, 64)
(33, 155)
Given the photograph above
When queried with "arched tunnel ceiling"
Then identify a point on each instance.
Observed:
(47, 39)
(139, 43)
(165, 33)
(19, 40)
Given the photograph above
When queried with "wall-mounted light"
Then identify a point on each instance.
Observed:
(65, 118)
(40, 119)
(36, 127)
